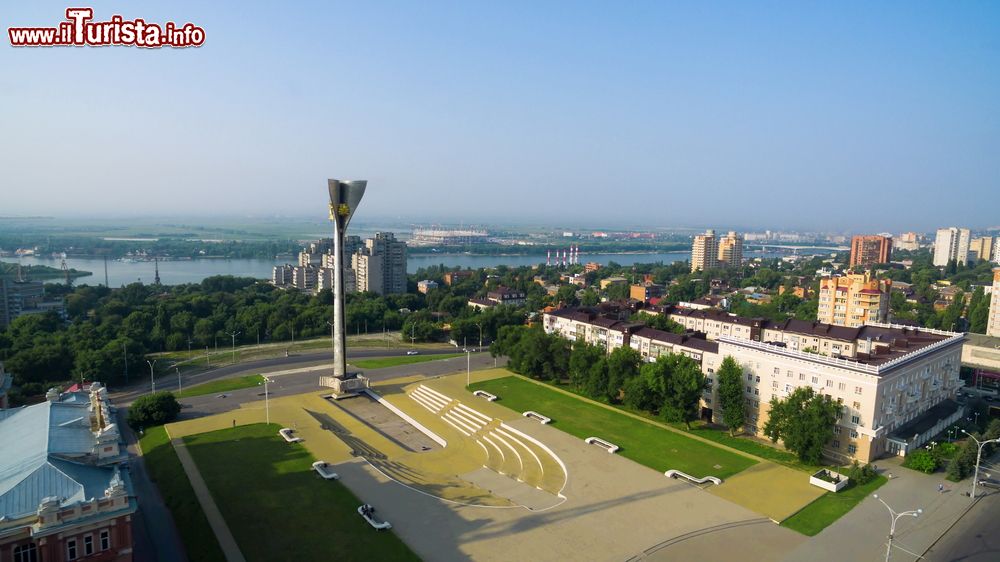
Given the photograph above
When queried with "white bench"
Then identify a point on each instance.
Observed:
(286, 434)
(676, 473)
(537, 416)
(370, 518)
(486, 395)
(323, 469)
(611, 447)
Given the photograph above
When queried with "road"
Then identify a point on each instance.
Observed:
(168, 381)
(974, 538)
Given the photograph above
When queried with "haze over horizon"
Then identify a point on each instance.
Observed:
(766, 115)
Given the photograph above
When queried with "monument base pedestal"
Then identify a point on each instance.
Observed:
(346, 386)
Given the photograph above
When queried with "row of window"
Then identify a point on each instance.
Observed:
(72, 549)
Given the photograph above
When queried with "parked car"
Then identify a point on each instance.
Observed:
(412, 352)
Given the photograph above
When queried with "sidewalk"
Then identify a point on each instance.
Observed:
(862, 533)
(212, 513)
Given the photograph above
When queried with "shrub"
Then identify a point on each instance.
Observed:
(153, 409)
(921, 460)
(861, 474)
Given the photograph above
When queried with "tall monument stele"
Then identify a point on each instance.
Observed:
(344, 199)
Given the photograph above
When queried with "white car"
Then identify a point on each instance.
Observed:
(412, 352)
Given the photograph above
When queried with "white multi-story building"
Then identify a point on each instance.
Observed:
(380, 267)
(895, 383)
(951, 244)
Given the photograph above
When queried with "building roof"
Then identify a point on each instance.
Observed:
(45, 447)
(925, 421)
(684, 340)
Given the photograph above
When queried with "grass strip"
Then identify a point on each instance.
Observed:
(645, 443)
(277, 507)
(221, 385)
(831, 506)
(165, 470)
(382, 362)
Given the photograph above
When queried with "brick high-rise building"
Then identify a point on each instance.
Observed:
(951, 244)
(870, 250)
(380, 267)
(993, 323)
(853, 300)
(705, 251)
(731, 250)
(982, 249)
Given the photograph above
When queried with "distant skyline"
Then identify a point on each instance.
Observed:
(845, 117)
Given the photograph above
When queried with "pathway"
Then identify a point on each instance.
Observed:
(212, 513)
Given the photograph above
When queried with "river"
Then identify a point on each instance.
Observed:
(193, 271)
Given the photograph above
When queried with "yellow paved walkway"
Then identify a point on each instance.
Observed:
(770, 489)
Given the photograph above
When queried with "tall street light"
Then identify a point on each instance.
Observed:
(125, 356)
(979, 456)
(152, 381)
(267, 404)
(468, 368)
(480, 325)
(893, 516)
(234, 334)
(179, 387)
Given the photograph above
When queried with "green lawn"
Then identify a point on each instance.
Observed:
(658, 448)
(829, 507)
(277, 507)
(752, 447)
(166, 471)
(382, 362)
(221, 385)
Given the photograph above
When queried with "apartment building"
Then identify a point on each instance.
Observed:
(951, 244)
(993, 321)
(730, 250)
(426, 286)
(380, 267)
(853, 300)
(870, 250)
(982, 249)
(705, 251)
(896, 383)
(20, 298)
(907, 241)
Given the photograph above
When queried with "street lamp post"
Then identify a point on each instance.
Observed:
(152, 381)
(894, 517)
(979, 455)
(234, 334)
(468, 368)
(480, 325)
(179, 387)
(267, 404)
(125, 356)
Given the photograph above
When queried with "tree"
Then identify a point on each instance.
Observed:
(803, 422)
(921, 460)
(153, 409)
(682, 392)
(731, 398)
(964, 461)
(582, 357)
(660, 322)
(623, 365)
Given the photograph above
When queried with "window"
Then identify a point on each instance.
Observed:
(842, 386)
(774, 385)
(855, 420)
(836, 430)
(71, 549)
(857, 390)
(105, 539)
(802, 376)
(777, 371)
(856, 405)
(852, 449)
(749, 377)
(829, 383)
(756, 392)
(836, 444)
(815, 380)
(88, 545)
(757, 378)
(854, 434)
(26, 553)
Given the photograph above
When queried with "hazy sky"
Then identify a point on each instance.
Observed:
(878, 116)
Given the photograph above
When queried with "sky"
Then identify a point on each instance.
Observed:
(845, 116)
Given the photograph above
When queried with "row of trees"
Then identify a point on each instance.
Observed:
(669, 388)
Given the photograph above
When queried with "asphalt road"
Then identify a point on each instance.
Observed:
(168, 381)
(975, 538)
